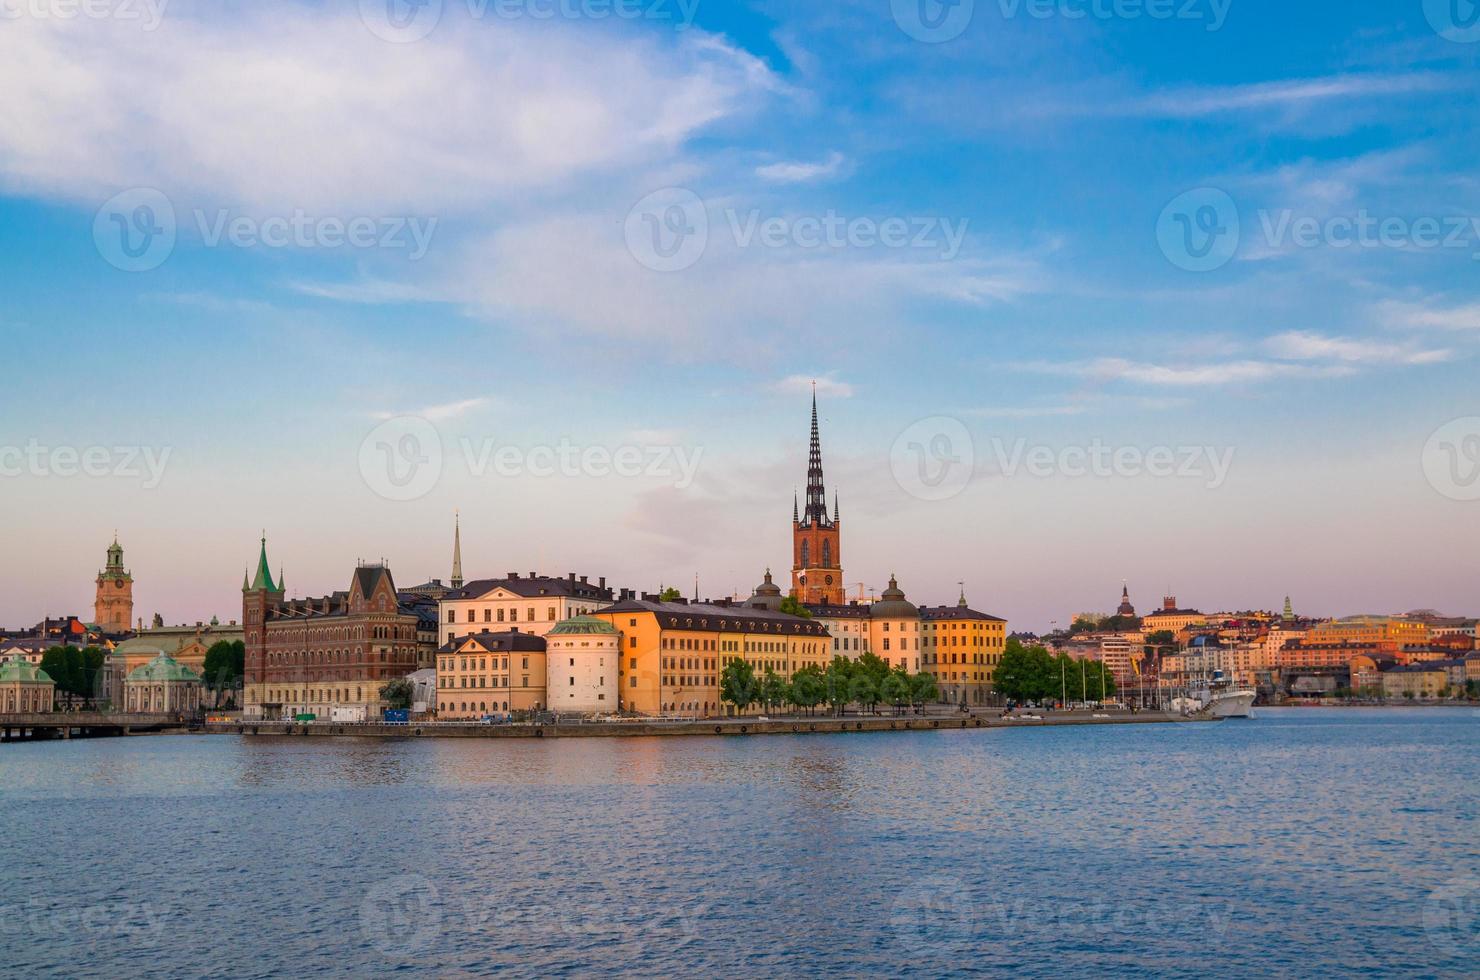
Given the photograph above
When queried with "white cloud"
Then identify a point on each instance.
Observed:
(1303, 346)
(1432, 317)
(295, 107)
(1193, 102)
(439, 413)
(366, 291)
(1222, 373)
(797, 172)
(827, 385)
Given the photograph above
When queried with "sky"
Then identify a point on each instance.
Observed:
(1183, 295)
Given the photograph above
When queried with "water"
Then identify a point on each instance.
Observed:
(1310, 842)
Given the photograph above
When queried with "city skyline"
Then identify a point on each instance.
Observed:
(981, 247)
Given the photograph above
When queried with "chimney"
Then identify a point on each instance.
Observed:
(572, 577)
(583, 580)
(533, 575)
(601, 582)
(511, 575)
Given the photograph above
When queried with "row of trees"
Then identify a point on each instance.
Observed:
(1034, 674)
(867, 681)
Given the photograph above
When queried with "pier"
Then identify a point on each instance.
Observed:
(86, 724)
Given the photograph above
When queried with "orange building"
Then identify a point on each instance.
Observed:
(113, 607)
(672, 653)
(962, 648)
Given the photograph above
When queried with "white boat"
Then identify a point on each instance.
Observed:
(1231, 703)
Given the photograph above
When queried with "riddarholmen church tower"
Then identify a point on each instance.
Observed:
(113, 609)
(817, 555)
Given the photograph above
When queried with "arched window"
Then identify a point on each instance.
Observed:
(806, 553)
(827, 554)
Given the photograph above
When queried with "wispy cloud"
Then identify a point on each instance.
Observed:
(797, 172)
(439, 413)
(1303, 346)
(1432, 317)
(827, 385)
(1199, 101)
(1108, 369)
(369, 292)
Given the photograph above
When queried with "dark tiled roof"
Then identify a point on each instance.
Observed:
(368, 577)
(503, 642)
(850, 611)
(708, 616)
(532, 587)
(956, 612)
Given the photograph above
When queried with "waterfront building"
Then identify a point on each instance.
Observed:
(113, 605)
(487, 673)
(24, 687)
(313, 655)
(894, 629)
(672, 653)
(817, 552)
(1422, 681)
(961, 648)
(847, 625)
(186, 645)
(162, 686)
(1370, 629)
(534, 603)
(1118, 652)
(581, 665)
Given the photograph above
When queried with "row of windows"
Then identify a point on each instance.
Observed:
(496, 681)
(319, 696)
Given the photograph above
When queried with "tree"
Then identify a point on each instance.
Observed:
(923, 688)
(792, 606)
(397, 693)
(670, 594)
(871, 666)
(224, 665)
(737, 684)
(837, 682)
(1084, 624)
(77, 671)
(808, 688)
(863, 690)
(895, 689)
(1159, 641)
(773, 690)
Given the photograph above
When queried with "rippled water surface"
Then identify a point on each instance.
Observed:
(1305, 842)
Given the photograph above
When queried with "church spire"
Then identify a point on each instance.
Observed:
(816, 492)
(457, 575)
(263, 581)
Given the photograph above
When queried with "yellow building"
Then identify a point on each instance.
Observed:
(962, 648)
(894, 629)
(1169, 617)
(490, 673)
(1415, 681)
(1371, 630)
(672, 653)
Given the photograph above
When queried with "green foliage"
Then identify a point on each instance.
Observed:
(224, 664)
(1160, 641)
(737, 684)
(923, 689)
(863, 690)
(1034, 674)
(670, 594)
(795, 608)
(895, 688)
(1083, 625)
(808, 688)
(75, 670)
(397, 694)
(774, 690)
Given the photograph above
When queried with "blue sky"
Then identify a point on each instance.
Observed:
(1057, 177)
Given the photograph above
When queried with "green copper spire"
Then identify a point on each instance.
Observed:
(263, 580)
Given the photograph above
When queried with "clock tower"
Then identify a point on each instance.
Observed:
(113, 609)
(816, 551)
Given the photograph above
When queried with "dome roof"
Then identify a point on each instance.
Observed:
(893, 604)
(768, 587)
(23, 671)
(581, 624)
(163, 668)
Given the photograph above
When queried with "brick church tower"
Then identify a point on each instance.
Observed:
(113, 608)
(816, 550)
(258, 595)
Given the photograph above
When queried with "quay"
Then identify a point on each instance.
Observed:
(88, 724)
(734, 727)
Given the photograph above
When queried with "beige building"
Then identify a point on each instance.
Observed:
(163, 686)
(894, 629)
(582, 655)
(1420, 681)
(531, 603)
(24, 687)
(490, 673)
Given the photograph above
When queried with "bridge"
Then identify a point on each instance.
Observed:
(87, 724)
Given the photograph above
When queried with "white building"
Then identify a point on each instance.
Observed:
(532, 603)
(582, 655)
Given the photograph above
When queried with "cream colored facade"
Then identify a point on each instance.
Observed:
(490, 674)
(532, 603)
(24, 687)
